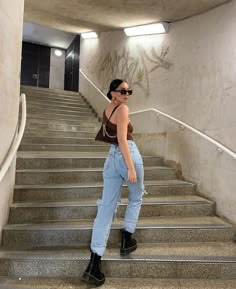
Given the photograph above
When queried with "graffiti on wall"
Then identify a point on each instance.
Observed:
(135, 70)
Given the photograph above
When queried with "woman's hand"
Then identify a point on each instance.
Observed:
(132, 176)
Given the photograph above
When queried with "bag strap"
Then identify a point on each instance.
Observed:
(114, 109)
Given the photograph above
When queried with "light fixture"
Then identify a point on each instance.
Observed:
(87, 35)
(155, 28)
(58, 52)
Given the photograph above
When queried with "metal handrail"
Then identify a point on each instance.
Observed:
(81, 71)
(183, 125)
(17, 139)
(220, 148)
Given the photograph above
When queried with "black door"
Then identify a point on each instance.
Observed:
(44, 66)
(69, 72)
(72, 65)
(35, 65)
(29, 65)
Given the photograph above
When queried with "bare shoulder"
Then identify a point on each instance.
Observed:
(123, 109)
(122, 116)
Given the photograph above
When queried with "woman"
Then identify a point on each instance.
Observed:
(124, 163)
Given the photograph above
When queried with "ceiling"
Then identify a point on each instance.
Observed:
(77, 16)
(46, 36)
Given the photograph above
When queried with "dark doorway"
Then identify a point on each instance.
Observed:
(69, 72)
(35, 65)
(72, 65)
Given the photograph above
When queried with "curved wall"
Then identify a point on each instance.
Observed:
(11, 18)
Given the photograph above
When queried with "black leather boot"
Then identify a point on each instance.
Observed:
(128, 244)
(92, 274)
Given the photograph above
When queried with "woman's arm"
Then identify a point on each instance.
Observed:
(122, 121)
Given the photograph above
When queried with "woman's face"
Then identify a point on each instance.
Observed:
(122, 92)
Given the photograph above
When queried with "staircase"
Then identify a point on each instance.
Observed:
(181, 242)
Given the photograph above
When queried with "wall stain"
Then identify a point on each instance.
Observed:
(135, 70)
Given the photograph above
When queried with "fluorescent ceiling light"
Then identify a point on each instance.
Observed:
(58, 52)
(89, 35)
(155, 28)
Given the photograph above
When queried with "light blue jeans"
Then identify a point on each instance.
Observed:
(114, 174)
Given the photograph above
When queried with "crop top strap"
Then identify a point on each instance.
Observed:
(114, 109)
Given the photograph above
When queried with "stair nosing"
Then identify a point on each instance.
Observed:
(79, 110)
(97, 169)
(137, 258)
(33, 116)
(58, 227)
(93, 203)
(74, 157)
(163, 222)
(62, 144)
(29, 130)
(68, 115)
(38, 103)
(175, 182)
(60, 104)
(58, 137)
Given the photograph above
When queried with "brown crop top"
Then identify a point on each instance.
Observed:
(111, 129)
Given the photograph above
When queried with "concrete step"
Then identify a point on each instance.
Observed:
(58, 106)
(54, 100)
(78, 111)
(59, 118)
(49, 95)
(46, 98)
(86, 209)
(115, 283)
(62, 125)
(57, 140)
(63, 147)
(50, 92)
(149, 230)
(45, 121)
(55, 115)
(51, 160)
(85, 112)
(35, 90)
(37, 131)
(67, 127)
(212, 260)
(60, 176)
(92, 190)
(85, 132)
(49, 100)
(53, 103)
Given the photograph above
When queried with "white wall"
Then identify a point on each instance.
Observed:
(57, 70)
(11, 18)
(190, 74)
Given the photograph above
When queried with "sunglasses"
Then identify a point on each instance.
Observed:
(124, 92)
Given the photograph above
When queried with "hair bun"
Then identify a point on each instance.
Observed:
(109, 95)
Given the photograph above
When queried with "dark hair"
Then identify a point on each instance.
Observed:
(113, 86)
